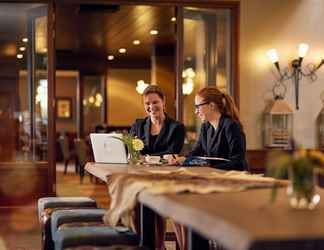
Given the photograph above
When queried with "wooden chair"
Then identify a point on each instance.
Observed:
(82, 155)
(67, 153)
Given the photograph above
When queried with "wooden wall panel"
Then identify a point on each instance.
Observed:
(22, 183)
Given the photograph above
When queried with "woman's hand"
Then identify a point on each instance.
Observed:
(174, 159)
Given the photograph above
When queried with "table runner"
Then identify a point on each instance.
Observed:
(123, 188)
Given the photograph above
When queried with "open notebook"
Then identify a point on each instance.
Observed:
(203, 161)
(212, 158)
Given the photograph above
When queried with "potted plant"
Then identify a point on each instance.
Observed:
(300, 166)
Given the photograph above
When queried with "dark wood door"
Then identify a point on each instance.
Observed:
(26, 103)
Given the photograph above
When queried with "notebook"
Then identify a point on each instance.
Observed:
(203, 161)
(107, 149)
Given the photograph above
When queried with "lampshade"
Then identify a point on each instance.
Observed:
(141, 86)
(302, 50)
(273, 56)
(187, 87)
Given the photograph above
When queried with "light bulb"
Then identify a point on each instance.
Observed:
(190, 73)
(91, 99)
(273, 56)
(302, 50)
(141, 86)
(154, 32)
(122, 50)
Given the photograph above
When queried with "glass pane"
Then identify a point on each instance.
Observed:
(23, 77)
(92, 102)
(207, 54)
(40, 83)
(149, 40)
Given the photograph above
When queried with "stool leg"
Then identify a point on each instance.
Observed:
(47, 241)
(196, 241)
(147, 227)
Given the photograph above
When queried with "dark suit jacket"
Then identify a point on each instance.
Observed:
(227, 141)
(169, 141)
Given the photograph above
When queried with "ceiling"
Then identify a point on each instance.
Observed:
(105, 31)
(13, 26)
(93, 29)
(100, 30)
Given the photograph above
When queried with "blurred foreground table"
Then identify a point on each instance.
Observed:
(237, 220)
(243, 220)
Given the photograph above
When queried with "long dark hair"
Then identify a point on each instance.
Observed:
(223, 101)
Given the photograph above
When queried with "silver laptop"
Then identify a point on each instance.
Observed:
(107, 149)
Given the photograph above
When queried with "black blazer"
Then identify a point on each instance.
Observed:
(227, 141)
(169, 141)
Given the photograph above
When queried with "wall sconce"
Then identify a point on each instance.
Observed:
(188, 86)
(41, 97)
(296, 73)
(141, 86)
(93, 100)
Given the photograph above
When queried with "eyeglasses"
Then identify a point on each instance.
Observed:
(200, 104)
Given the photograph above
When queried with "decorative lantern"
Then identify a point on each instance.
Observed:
(320, 128)
(278, 123)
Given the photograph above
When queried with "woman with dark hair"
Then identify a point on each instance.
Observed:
(221, 133)
(160, 133)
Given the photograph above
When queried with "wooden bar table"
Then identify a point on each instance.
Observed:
(243, 220)
(238, 220)
(147, 215)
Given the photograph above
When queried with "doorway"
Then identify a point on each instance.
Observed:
(26, 59)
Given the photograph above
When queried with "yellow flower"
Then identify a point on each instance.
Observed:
(301, 153)
(317, 156)
(137, 144)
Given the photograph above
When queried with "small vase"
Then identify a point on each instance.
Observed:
(301, 189)
(133, 157)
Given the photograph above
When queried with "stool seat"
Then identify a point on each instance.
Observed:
(73, 216)
(92, 236)
(56, 202)
(47, 205)
(117, 247)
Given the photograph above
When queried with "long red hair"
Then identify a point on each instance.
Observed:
(223, 101)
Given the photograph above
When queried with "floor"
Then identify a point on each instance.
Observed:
(19, 229)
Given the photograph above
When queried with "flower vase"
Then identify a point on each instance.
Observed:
(301, 188)
(133, 156)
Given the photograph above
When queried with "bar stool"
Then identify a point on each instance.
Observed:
(46, 206)
(79, 227)
(116, 247)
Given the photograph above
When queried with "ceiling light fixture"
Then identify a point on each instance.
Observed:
(173, 19)
(22, 48)
(20, 56)
(122, 50)
(25, 39)
(154, 32)
(136, 42)
(110, 57)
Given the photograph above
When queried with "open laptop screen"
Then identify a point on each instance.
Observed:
(107, 149)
